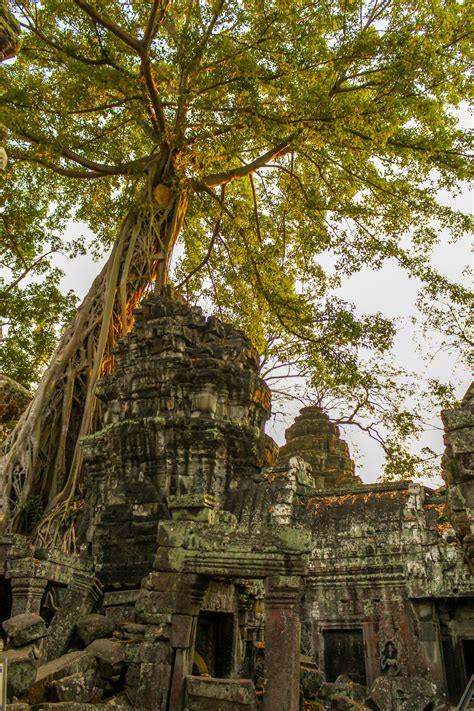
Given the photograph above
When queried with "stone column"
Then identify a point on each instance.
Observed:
(430, 640)
(27, 584)
(190, 594)
(27, 594)
(282, 644)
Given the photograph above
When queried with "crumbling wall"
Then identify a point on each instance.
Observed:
(385, 558)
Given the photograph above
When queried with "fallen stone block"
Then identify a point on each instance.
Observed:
(311, 682)
(21, 671)
(345, 703)
(131, 630)
(132, 681)
(25, 628)
(154, 685)
(77, 687)
(18, 707)
(401, 693)
(67, 665)
(109, 650)
(209, 694)
(350, 689)
(94, 627)
(132, 652)
(314, 706)
(110, 655)
(329, 690)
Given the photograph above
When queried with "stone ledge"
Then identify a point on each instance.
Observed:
(240, 692)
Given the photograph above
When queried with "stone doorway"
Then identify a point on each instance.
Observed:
(344, 653)
(215, 642)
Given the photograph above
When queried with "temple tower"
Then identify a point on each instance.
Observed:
(316, 439)
(184, 414)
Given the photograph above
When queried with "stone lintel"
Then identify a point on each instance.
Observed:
(24, 568)
(87, 584)
(216, 551)
(14, 545)
(120, 597)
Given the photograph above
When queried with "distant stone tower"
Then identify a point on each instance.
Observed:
(316, 439)
(185, 411)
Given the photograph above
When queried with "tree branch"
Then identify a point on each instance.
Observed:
(140, 47)
(102, 168)
(68, 52)
(110, 25)
(147, 71)
(118, 103)
(66, 172)
(148, 36)
(206, 36)
(211, 245)
(255, 209)
(216, 179)
(356, 87)
(153, 93)
(25, 273)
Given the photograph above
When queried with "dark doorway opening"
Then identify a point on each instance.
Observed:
(453, 671)
(215, 642)
(5, 599)
(468, 654)
(5, 603)
(344, 653)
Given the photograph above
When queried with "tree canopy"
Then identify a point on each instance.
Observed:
(258, 135)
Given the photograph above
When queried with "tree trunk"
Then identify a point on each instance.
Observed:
(41, 467)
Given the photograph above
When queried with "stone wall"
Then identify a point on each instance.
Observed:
(385, 563)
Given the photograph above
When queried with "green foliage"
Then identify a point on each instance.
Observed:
(33, 315)
(32, 306)
(359, 96)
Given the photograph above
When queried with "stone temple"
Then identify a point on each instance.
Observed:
(216, 572)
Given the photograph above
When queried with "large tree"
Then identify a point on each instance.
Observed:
(259, 135)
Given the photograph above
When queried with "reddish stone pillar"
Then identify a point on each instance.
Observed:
(282, 644)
